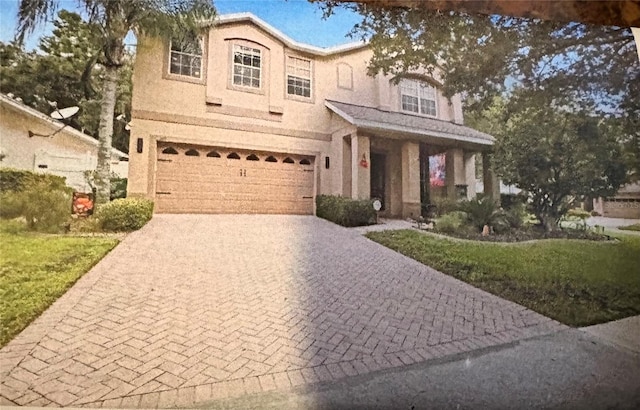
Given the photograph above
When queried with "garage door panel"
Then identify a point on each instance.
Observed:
(201, 184)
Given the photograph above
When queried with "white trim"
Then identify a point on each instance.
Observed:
(50, 121)
(201, 56)
(251, 51)
(294, 74)
(288, 41)
(374, 125)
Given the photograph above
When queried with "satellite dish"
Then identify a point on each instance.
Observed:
(64, 113)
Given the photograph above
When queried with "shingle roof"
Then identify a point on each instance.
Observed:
(373, 118)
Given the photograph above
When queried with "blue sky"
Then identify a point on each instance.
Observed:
(298, 19)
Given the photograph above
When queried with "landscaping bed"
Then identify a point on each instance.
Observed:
(576, 282)
(36, 269)
(527, 234)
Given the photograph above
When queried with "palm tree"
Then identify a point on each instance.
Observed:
(115, 19)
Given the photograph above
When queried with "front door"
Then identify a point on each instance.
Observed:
(378, 177)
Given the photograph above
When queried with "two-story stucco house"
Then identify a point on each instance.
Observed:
(247, 120)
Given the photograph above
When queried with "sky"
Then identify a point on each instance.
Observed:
(299, 19)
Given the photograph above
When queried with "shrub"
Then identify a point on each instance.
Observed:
(127, 214)
(10, 205)
(451, 222)
(481, 212)
(44, 204)
(444, 205)
(515, 216)
(15, 180)
(595, 213)
(118, 188)
(345, 211)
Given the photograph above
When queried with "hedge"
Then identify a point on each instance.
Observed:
(127, 214)
(15, 180)
(345, 211)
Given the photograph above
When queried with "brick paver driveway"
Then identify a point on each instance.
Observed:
(193, 308)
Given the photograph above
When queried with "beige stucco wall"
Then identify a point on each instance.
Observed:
(212, 111)
(63, 154)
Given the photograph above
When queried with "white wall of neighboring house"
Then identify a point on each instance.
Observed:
(68, 153)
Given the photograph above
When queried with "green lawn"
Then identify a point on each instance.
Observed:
(576, 282)
(35, 270)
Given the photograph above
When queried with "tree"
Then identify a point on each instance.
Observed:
(557, 156)
(114, 20)
(592, 68)
(65, 70)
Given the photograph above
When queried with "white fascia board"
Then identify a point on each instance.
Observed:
(288, 41)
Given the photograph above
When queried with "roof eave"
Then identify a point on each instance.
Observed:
(378, 126)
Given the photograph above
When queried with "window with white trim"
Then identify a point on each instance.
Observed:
(419, 97)
(186, 57)
(298, 76)
(247, 66)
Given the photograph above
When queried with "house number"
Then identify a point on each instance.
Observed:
(243, 172)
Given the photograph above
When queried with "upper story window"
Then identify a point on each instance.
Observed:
(419, 97)
(247, 66)
(298, 76)
(186, 57)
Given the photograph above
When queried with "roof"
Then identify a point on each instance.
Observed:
(4, 99)
(376, 119)
(288, 41)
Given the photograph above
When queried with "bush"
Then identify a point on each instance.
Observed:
(345, 211)
(482, 211)
(515, 216)
(595, 213)
(15, 180)
(10, 205)
(128, 214)
(451, 222)
(118, 188)
(42, 202)
(444, 205)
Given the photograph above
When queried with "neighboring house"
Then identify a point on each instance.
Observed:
(246, 120)
(68, 153)
(625, 204)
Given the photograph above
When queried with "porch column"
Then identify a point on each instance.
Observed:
(410, 179)
(360, 176)
(454, 172)
(470, 173)
(489, 178)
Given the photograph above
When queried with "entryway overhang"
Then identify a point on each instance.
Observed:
(395, 125)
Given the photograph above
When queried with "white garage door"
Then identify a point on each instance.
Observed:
(197, 179)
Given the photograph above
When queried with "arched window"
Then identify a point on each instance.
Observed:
(288, 160)
(192, 153)
(253, 157)
(213, 154)
(233, 155)
(305, 162)
(271, 158)
(170, 151)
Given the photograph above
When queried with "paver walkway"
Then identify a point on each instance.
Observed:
(193, 308)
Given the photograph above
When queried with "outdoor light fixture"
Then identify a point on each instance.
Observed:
(326, 162)
(57, 114)
(139, 145)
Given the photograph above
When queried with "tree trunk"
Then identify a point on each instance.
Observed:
(105, 134)
(549, 223)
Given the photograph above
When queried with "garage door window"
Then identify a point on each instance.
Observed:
(213, 154)
(253, 157)
(288, 160)
(170, 151)
(305, 162)
(271, 158)
(233, 155)
(192, 153)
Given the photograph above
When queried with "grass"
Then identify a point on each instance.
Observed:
(576, 282)
(634, 227)
(37, 269)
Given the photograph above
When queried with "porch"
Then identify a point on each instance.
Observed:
(406, 161)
